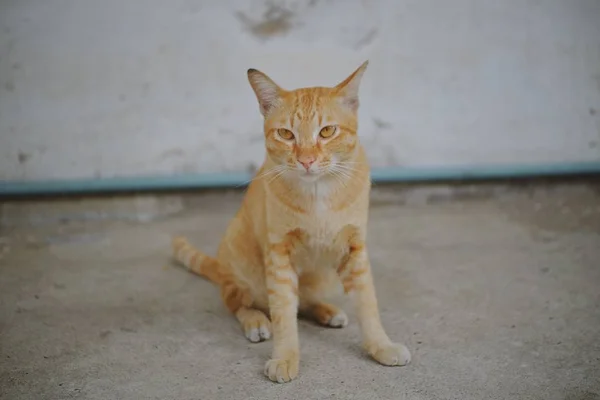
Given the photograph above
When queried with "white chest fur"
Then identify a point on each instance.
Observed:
(322, 220)
(323, 248)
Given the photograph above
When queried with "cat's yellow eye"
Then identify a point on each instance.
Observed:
(285, 134)
(327, 131)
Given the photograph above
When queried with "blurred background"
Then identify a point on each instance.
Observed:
(96, 90)
(110, 108)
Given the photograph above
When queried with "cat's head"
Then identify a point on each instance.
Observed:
(310, 132)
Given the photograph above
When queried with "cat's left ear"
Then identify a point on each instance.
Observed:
(267, 92)
(347, 90)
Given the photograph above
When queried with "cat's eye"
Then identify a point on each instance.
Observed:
(285, 134)
(327, 131)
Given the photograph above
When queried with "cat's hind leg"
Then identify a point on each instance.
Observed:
(255, 323)
(314, 289)
(326, 314)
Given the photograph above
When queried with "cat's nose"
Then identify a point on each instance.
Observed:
(307, 161)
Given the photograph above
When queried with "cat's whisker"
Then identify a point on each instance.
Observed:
(279, 174)
(340, 179)
(346, 173)
(340, 175)
(347, 170)
(335, 175)
(346, 167)
(345, 177)
(270, 172)
(266, 173)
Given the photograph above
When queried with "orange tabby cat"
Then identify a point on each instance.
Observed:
(301, 229)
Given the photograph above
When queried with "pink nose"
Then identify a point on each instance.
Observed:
(307, 162)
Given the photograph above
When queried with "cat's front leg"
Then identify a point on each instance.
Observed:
(282, 287)
(355, 273)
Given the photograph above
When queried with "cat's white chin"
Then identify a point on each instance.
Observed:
(309, 177)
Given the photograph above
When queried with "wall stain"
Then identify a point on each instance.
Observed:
(251, 168)
(596, 77)
(23, 157)
(171, 153)
(593, 111)
(163, 48)
(9, 86)
(276, 21)
(381, 124)
(187, 168)
(366, 40)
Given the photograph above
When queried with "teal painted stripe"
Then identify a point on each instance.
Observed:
(400, 174)
(224, 180)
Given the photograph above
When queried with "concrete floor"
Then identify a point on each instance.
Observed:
(495, 289)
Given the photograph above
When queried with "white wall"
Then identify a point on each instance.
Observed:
(143, 87)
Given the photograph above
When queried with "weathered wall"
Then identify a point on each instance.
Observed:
(143, 87)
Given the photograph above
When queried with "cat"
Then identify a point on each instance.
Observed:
(301, 229)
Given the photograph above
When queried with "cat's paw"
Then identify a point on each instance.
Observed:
(392, 354)
(258, 334)
(339, 320)
(329, 315)
(281, 371)
(256, 325)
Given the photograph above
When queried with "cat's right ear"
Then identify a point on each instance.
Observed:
(267, 92)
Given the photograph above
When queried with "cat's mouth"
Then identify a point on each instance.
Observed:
(309, 176)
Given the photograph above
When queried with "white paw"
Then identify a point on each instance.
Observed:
(339, 320)
(392, 354)
(260, 334)
(264, 332)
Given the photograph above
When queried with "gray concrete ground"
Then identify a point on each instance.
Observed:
(496, 290)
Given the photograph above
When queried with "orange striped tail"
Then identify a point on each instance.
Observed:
(196, 261)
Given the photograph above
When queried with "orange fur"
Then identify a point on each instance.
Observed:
(301, 229)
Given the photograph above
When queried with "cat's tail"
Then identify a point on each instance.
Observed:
(196, 261)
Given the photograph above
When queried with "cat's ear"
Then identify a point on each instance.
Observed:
(347, 90)
(267, 92)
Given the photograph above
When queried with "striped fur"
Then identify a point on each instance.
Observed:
(196, 261)
(300, 233)
(201, 264)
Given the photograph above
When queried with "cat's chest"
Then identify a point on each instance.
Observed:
(322, 230)
(323, 246)
(324, 222)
